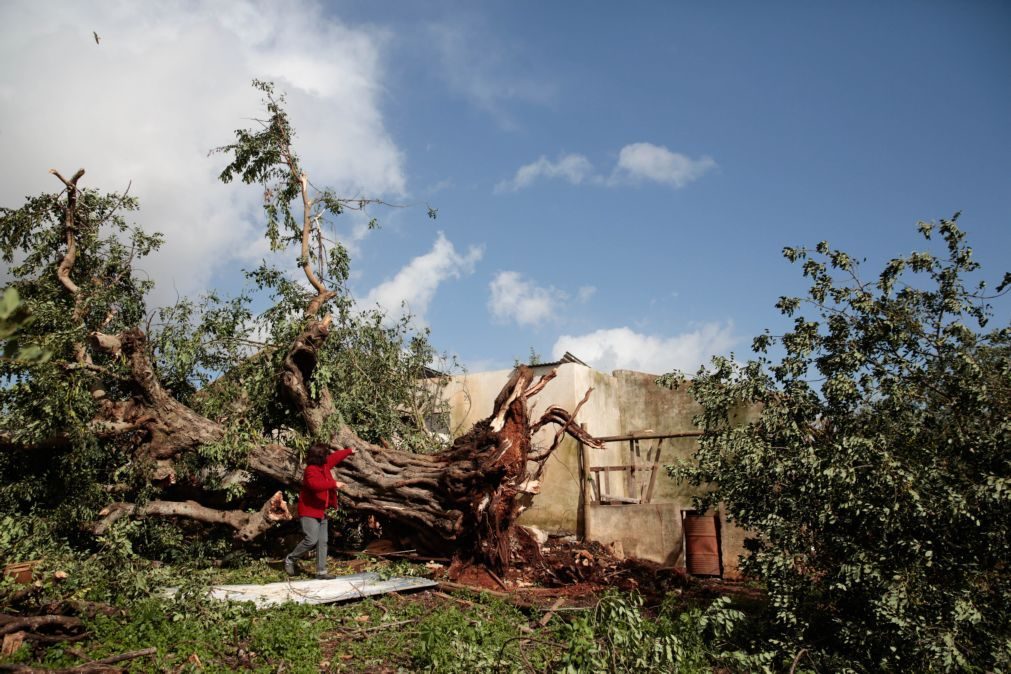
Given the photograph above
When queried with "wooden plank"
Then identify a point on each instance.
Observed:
(470, 588)
(607, 498)
(586, 480)
(648, 497)
(610, 469)
(630, 478)
(649, 435)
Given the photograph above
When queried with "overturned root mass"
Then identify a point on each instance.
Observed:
(461, 501)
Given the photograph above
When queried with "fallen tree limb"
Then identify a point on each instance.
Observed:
(546, 618)
(102, 665)
(113, 659)
(12, 623)
(80, 607)
(462, 502)
(247, 525)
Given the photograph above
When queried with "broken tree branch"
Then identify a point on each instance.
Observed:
(70, 229)
(322, 293)
(93, 667)
(247, 525)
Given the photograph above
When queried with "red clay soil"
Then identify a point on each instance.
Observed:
(584, 570)
(475, 576)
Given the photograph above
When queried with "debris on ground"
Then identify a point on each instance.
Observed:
(570, 564)
(342, 588)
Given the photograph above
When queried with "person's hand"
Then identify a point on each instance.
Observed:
(352, 450)
(341, 485)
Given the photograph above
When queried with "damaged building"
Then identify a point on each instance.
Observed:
(619, 496)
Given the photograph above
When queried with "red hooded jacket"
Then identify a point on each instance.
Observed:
(319, 489)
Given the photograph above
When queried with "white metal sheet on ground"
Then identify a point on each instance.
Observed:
(342, 588)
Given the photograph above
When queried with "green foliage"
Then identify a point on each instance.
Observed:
(453, 641)
(871, 459)
(265, 156)
(419, 632)
(14, 317)
(533, 358)
(195, 341)
(618, 637)
(381, 379)
(377, 370)
(224, 637)
(50, 403)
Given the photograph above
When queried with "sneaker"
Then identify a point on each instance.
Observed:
(289, 566)
(325, 576)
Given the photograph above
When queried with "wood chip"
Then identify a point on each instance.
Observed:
(12, 642)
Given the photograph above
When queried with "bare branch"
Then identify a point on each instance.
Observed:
(247, 525)
(69, 227)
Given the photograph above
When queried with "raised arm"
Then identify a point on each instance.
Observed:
(338, 456)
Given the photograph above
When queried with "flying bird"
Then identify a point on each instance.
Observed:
(97, 39)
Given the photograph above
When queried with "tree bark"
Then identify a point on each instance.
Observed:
(247, 525)
(462, 500)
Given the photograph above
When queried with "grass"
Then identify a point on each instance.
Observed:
(420, 632)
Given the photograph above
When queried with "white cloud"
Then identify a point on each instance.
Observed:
(169, 81)
(575, 168)
(585, 293)
(645, 161)
(417, 282)
(513, 298)
(637, 162)
(478, 66)
(625, 349)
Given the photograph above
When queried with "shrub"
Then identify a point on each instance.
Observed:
(876, 474)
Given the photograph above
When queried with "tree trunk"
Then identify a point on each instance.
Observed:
(461, 501)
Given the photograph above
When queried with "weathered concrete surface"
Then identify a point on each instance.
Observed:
(622, 402)
(648, 531)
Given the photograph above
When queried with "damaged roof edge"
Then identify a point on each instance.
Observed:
(567, 358)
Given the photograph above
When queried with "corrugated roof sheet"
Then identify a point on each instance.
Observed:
(342, 588)
(567, 358)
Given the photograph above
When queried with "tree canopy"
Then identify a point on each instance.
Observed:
(867, 450)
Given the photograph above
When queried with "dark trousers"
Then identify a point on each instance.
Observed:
(315, 537)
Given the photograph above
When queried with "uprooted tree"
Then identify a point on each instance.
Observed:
(181, 413)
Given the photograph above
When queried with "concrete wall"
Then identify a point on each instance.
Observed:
(621, 403)
(648, 531)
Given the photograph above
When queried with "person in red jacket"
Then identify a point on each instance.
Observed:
(319, 492)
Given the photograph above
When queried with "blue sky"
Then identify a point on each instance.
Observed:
(615, 180)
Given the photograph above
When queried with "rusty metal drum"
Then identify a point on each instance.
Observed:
(702, 544)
